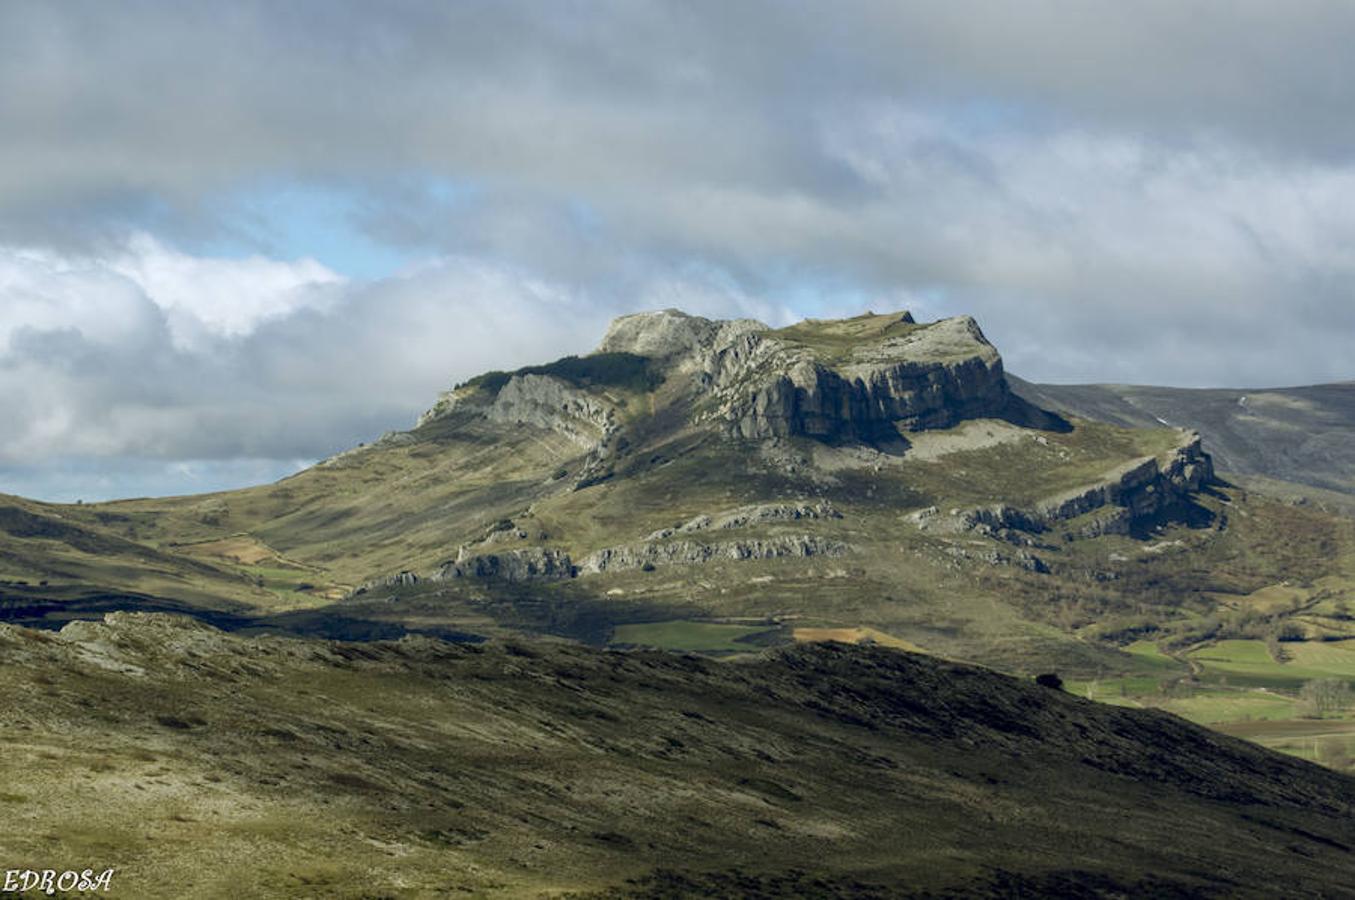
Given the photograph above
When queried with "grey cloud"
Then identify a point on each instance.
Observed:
(100, 373)
(1156, 191)
(298, 386)
(608, 92)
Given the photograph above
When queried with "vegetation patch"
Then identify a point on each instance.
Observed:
(624, 371)
(833, 342)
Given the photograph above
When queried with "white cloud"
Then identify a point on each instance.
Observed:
(205, 297)
(92, 367)
(43, 292)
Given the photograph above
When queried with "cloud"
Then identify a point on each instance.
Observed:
(94, 363)
(204, 298)
(94, 360)
(1152, 192)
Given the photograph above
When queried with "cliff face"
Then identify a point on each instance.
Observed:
(1136, 492)
(870, 403)
(548, 402)
(865, 379)
(924, 377)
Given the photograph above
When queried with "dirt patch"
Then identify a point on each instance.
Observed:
(979, 434)
(858, 635)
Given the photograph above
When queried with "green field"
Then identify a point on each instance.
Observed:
(1250, 663)
(1240, 689)
(1220, 707)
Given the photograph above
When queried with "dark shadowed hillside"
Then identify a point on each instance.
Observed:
(206, 764)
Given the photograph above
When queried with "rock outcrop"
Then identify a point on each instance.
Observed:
(929, 376)
(671, 333)
(403, 578)
(509, 566)
(1137, 491)
(745, 516)
(651, 554)
(549, 402)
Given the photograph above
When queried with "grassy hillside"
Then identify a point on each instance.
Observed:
(203, 764)
(323, 552)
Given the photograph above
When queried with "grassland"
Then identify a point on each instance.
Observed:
(1241, 688)
(855, 636)
(411, 504)
(834, 342)
(201, 764)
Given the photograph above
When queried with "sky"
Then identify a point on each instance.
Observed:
(238, 237)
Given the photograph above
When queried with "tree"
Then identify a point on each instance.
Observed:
(1049, 680)
(1324, 695)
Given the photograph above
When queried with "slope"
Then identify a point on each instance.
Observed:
(723, 481)
(204, 764)
(1301, 435)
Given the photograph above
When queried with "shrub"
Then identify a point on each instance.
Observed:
(1324, 695)
(618, 370)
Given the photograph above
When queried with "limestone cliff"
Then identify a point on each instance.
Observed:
(652, 554)
(512, 566)
(1134, 492)
(924, 377)
(867, 378)
(549, 402)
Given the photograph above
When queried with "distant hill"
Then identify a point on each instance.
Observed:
(1301, 435)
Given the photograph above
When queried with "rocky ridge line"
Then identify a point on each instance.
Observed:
(756, 383)
(1136, 491)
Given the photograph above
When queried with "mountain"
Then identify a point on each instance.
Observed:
(205, 764)
(721, 486)
(1295, 441)
(844, 532)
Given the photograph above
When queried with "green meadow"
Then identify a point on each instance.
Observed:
(1241, 688)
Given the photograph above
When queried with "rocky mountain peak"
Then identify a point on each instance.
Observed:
(667, 333)
(864, 378)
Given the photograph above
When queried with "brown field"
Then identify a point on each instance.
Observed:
(856, 635)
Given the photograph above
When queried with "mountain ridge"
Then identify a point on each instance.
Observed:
(562, 499)
(752, 612)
